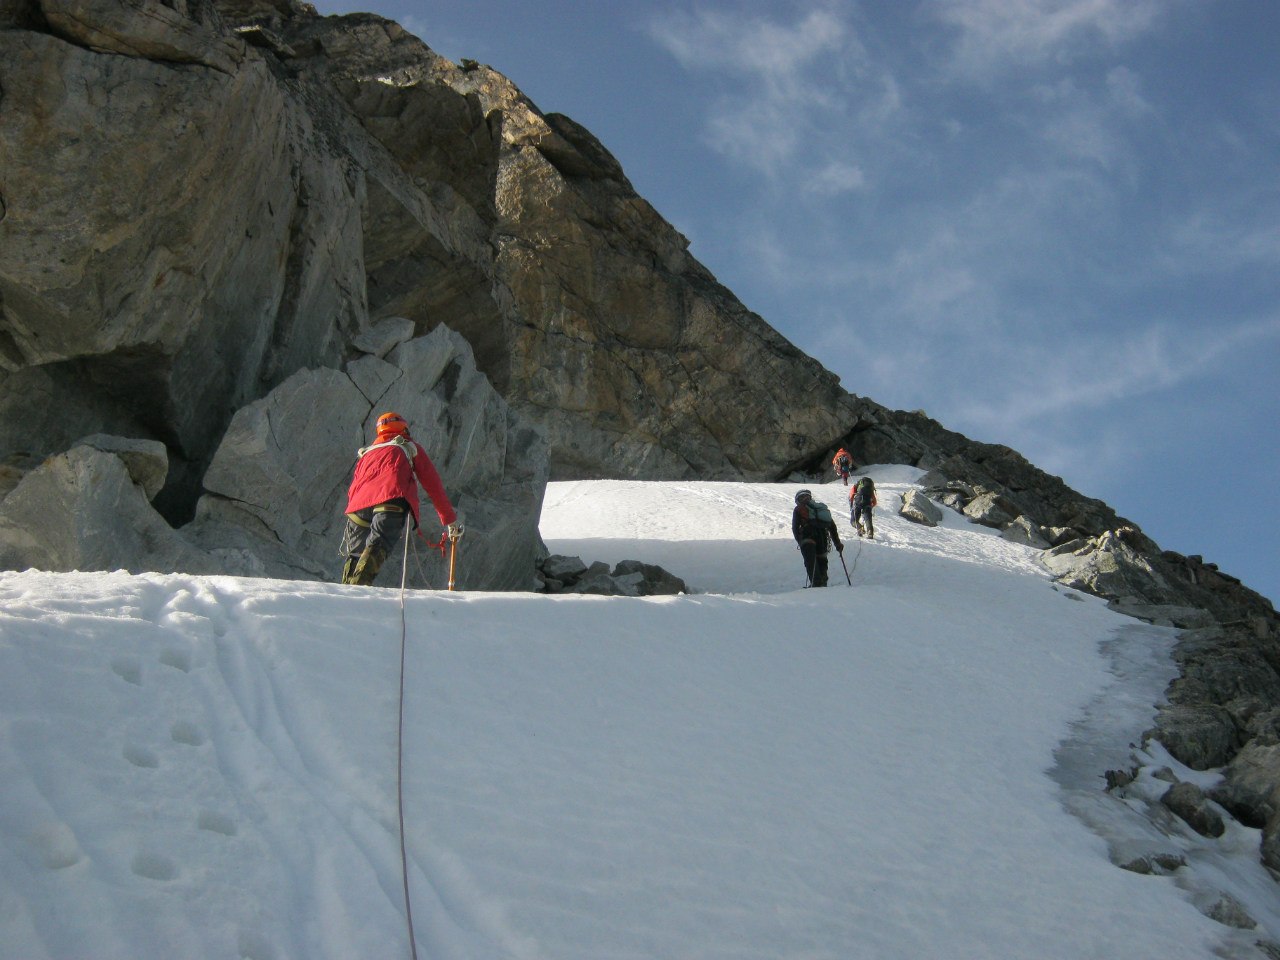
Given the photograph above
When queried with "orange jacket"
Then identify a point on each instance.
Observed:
(387, 470)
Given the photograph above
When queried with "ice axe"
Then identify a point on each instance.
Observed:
(455, 534)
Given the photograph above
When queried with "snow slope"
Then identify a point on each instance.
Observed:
(206, 766)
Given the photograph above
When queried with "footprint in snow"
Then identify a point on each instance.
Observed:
(184, 731)
(140, 756)
(178, 659)
(128, 669)
(57, 846)
(216, 822)
(153, 866)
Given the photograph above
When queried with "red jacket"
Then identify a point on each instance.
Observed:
(385, 471)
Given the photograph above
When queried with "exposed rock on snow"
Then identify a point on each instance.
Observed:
(1189, 802)
(1162, 614)
(1109, 566)
(991, 509)
(629, 578)
(918, 508)
(1251, 790)
(1024, 531)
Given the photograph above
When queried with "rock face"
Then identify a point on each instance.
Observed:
(277, 484)
(184, 226)
(306, 176)
(84, 510)
(276, 487)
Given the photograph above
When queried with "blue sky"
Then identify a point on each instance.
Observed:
(1052, 224)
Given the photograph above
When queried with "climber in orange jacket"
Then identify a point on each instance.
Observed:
(383, 489)
(843, 464)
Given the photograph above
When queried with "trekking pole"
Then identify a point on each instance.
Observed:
(840, 554)
(453, 559)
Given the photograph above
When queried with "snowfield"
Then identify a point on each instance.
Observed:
(905, 768)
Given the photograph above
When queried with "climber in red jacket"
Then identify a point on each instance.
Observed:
(383, 489)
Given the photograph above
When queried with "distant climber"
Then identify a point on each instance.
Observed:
(383, 489)
(843, 464)
(861, 499)
(811, 525)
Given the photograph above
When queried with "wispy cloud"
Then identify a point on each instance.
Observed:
(835, 178)
(994, 34)
(1210, 240)
(782, 87)
(756, 48)
(1082, 377)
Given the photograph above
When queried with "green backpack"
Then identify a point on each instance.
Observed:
(816, 521)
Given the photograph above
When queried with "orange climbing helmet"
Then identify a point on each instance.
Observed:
(391, 424)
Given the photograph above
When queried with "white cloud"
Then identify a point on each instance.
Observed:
(1125, 88)
(783, 84)
(1082, 375)
(996, 33)
(1078, 125)
(755, 47)
(1213, 240)
(835, 178)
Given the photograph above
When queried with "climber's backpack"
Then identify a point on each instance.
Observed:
(866, 489)
(814, 523)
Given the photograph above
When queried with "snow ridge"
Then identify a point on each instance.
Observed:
(205, 766)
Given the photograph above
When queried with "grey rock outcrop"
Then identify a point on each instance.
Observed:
(146, 460)
(629, 578)
(1023, 531)
(1110, 565)
(1192, 806)
(991, 509)
(181, 217)
(85, 510)
(277, 484)
(918, 508)
(1250, 790)
(304, 177)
